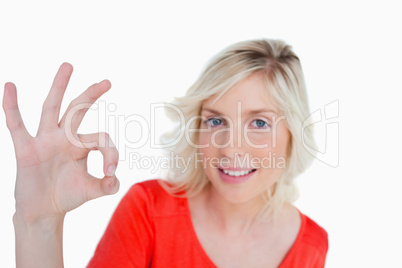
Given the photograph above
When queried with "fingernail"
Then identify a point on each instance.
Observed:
(111, 170)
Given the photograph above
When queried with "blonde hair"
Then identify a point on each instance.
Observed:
(284, 78)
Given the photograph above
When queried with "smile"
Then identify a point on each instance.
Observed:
(237, 173)
(235, 176)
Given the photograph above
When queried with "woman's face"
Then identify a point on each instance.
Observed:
(243, 141)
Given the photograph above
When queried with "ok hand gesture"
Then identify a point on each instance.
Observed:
(52, 176)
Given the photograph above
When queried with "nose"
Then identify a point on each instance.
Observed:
(231, 142)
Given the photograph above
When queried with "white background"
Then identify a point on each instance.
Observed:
(350, 51)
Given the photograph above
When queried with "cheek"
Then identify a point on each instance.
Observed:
(207, 157)
(280, 139)
(208, 152)
(263, 143)
(283, 145)
(274, 156)
(204, 141)
(259, 139)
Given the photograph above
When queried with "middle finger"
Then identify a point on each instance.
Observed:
(52, 104)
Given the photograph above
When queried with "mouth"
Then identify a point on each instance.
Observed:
(235, 176)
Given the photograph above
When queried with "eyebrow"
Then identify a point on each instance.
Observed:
(250, 112)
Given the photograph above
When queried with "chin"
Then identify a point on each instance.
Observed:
(243, 187)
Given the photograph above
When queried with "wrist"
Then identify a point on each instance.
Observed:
(45, 223)
(38, 243)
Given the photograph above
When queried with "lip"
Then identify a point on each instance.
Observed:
(235, 180)
(235, 169)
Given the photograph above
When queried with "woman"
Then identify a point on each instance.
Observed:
(231, 207)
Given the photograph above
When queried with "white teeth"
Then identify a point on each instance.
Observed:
(236, 173)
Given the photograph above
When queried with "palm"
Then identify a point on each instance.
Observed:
(62, 173)
(52, 176)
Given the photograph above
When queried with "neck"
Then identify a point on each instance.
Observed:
(233, 218)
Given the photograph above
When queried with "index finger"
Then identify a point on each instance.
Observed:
(78, 107)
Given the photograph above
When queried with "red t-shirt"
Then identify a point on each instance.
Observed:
(151, 228)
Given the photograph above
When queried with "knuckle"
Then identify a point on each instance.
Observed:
(91, 98)
(14, 125)
(104, 136)
(114, 152)
(91, 94)
(103, 140)
(75, 102)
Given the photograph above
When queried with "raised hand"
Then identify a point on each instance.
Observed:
(52, 176)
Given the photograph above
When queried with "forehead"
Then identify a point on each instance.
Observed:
(251, 92)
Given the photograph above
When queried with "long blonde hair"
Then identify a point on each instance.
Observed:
(283, 76)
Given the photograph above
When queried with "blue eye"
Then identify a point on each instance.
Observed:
(259, 123)
(213, 122)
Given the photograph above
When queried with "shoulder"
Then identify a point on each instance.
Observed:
(314, 235)
(310, 248)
